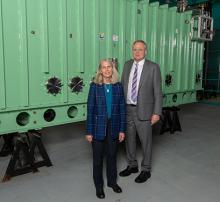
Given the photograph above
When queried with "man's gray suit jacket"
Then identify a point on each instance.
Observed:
(149, 99)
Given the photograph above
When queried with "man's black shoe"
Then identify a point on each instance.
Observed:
(100, 193)
(116, 188)
(144, 175)
(126, 172)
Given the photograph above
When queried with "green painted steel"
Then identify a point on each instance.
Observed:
(169, 44)
(65, 39)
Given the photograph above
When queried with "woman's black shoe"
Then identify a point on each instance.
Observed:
(100, 193)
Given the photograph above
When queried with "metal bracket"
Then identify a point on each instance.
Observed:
(202, 27)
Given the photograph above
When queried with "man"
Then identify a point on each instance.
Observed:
(141, 80)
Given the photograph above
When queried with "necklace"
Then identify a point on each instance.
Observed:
(107, 89)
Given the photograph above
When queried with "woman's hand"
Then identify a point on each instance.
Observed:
(89, 138)
(121, 137)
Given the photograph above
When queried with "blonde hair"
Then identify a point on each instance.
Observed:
(99, 78)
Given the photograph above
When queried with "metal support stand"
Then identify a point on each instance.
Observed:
(170, 120)
(7, 147)
(36, 142)
(23, 160)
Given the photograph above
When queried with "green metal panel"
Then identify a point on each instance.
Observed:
(199, 66)
(15, 53)
(91, 35)
(120, 16)
(2, 65)
(162, 43)
(67, 38)
(143, 21)
(38, 51)
(152, 41)
(179, 61)
(57, 45)
(36, 120)
(75, 34)
(185, 77)
(170, 60)
(76, 46)
(106, 28)
(131, 26)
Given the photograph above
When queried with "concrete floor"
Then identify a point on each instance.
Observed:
(186, 166)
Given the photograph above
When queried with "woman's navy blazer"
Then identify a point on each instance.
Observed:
(97, 111)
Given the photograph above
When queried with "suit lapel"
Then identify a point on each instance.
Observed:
(143, 74)
(127, 77)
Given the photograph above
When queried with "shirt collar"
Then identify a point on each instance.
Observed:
(140, 62)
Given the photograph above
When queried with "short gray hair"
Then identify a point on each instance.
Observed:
(140, 41)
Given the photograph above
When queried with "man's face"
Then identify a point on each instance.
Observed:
(138, 51)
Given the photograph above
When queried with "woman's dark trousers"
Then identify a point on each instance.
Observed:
(109, 147)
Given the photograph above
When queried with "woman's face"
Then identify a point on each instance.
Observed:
(106, 70)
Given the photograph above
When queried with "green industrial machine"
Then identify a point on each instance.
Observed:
(50, 49)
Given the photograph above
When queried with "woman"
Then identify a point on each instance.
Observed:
(105, 124)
